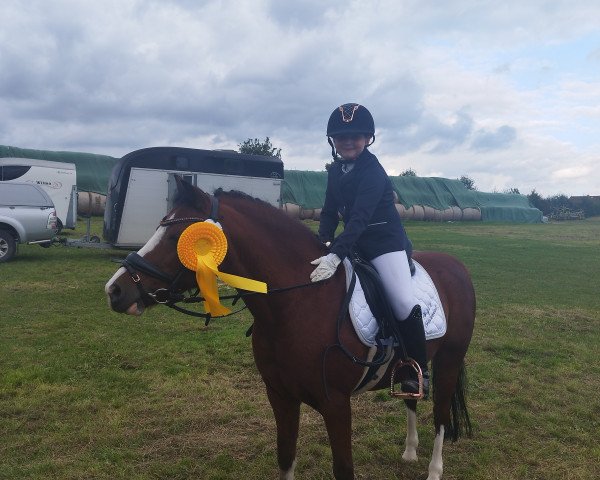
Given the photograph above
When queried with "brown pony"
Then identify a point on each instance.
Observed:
(294, 328)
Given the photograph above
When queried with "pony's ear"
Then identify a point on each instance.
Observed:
(189, 195)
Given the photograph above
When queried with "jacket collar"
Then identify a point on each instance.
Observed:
(362, 159)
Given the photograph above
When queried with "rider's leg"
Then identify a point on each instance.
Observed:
(413, 334)
(394, 271)
(395, 275)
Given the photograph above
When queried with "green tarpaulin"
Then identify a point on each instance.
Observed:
(307, 189)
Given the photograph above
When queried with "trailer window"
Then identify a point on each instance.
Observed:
(10, 172)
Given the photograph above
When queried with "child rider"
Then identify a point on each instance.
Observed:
(359, 189)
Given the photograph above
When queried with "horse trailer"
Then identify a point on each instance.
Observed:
(58, 179)
(141, 188)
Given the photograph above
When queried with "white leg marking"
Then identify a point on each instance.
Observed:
(412, 437)
(289, 475)
(436, 466)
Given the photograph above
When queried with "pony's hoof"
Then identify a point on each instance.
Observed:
(409, 455)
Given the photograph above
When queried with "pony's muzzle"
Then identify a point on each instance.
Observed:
(119, 301)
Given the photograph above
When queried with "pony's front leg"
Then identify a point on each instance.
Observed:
(436, 465)
(338, 420)
(412, 436)
(287, 418)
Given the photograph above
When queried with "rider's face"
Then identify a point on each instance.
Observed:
(350, 146)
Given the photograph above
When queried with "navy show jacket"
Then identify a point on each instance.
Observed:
(364, 197)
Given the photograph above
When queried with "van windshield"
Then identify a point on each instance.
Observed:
(10, 172)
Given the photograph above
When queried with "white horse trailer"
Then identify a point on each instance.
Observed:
(141, 188)
(58, 179)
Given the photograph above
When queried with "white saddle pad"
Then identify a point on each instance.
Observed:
(426, 295)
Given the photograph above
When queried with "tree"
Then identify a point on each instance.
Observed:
(590, 205)
(558, 201)
(468, 182)
(549, 205)
(408, 173)
(536, 200)
(256, 147)
(512, 190)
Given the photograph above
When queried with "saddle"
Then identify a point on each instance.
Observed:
(374, 321)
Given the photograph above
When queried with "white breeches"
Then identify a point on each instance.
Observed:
(395, 275)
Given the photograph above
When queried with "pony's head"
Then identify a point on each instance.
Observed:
(155, 271)
(263, 244)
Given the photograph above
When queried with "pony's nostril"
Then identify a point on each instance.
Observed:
(114, 292)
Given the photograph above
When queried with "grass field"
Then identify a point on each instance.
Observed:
(90, 394)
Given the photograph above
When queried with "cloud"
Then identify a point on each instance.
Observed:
(455, 89)
(501, 138)
(573, 172)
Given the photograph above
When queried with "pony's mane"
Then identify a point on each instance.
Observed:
(236, 193)
(276, 217)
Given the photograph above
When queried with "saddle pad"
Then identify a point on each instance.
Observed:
(426, 295)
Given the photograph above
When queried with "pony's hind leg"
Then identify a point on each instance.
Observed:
(448, 407)
(287, 418)
(436, 465)
(412, 436)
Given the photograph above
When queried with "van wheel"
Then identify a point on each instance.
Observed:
(7, 246)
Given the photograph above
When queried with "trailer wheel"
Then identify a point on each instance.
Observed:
(95, 239)
(59, 226)
(7, 246)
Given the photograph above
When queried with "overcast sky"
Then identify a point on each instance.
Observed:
(506, 92)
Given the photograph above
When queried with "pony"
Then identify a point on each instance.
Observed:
(295, 327)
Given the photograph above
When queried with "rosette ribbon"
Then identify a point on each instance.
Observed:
(202, 247)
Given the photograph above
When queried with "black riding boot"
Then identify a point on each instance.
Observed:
(413, 335)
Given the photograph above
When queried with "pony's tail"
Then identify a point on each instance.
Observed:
(460, 423)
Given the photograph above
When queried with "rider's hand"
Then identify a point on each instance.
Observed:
(326, 267)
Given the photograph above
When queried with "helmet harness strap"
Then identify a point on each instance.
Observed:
(336, 157)
(333, 152)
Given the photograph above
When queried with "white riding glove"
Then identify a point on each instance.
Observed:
(327, 266)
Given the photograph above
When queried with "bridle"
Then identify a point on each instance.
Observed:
(173, 294)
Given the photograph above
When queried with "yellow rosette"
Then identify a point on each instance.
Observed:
(202, 247)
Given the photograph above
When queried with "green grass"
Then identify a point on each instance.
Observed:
(87, 393)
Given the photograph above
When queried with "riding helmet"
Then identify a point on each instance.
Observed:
(350, 118)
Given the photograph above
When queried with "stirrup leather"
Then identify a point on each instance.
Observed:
(407, 395)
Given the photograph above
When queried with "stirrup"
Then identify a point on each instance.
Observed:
(407, 395)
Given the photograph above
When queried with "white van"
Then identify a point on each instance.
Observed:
(58, 179)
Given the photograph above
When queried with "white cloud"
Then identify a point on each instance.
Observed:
(575, 172)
